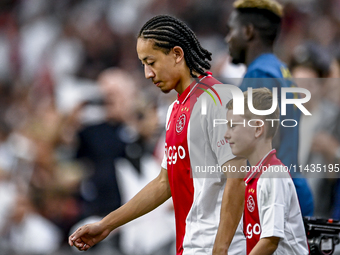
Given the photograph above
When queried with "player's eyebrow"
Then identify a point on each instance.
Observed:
(146, 58)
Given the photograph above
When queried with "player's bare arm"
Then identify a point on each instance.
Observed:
(231, 208)
(150, 197)
(266, 246)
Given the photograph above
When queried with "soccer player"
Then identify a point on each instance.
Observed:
(174, 59)
(253, 27)
(272, 216)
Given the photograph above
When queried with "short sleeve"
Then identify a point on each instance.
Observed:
(271, 194)
(164, 163)
(217, 127)
(164, 160)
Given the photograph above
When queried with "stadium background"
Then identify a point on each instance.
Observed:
(51, 54)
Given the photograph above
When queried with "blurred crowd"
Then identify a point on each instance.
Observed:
(82, 130)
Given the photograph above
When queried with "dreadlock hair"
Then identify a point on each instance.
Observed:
(264, 15)
(167, 32)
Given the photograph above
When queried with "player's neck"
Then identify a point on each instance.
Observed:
(185, 82)
(255, 50)
(261, 149)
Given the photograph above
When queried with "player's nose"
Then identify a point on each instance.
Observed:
(149, 73)
(227, 134)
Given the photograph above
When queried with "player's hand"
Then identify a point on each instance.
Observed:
(88, 235)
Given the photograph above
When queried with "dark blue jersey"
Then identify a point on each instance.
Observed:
(270, 72)
(267, 66)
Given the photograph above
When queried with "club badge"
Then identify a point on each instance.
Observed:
(250, 204)
(180, 123)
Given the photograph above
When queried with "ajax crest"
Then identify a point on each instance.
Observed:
(180, 123)
(250, 204)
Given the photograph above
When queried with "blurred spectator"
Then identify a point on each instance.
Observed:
(101, 141)
(104, 140)
(310, 66)
(154, 233)
(328, 144)
(23, 229)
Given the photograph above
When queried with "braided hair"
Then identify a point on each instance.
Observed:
(168, 32)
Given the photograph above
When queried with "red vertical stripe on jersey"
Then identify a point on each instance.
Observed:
(178, 160)
(251, 221)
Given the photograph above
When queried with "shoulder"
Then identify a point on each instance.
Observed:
(172, 105)
(275, 177)
(168, 114)
(276, 171)
(215, 93)
(170, 109)
(211, 80)
(267, 66)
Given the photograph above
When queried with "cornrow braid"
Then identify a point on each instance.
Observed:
(168, 32)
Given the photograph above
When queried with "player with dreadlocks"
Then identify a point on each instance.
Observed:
(174, 59)
(168, 32)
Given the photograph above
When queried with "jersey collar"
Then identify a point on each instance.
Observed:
(257, 170)
(182, 98)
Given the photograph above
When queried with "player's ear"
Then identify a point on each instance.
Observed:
(248, 32)
(259, 130)
(178, 53)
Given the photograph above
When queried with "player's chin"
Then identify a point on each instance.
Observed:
(165, 90)
(235, 151)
